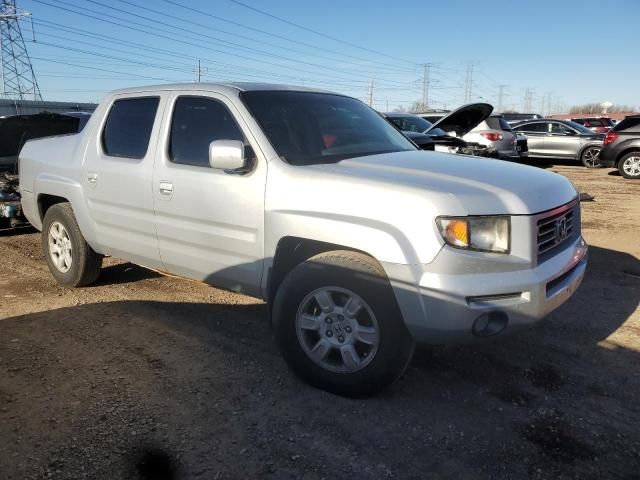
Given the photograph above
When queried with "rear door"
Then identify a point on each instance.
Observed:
(117, 178)
(536, 133)
(210, 222)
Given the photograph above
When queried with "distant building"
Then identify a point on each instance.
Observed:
(26, 107)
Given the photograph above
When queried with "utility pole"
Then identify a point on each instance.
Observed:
(501, 96)
(371, 93)
(468, 83)
(425, 85)
(199, 71)
(18, 79)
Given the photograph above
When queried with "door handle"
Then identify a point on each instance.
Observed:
(166, 188)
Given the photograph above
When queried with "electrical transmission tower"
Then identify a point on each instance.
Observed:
(468, 83)
(18, 79)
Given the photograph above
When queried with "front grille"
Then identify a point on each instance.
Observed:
(556, 229)
(522, 146)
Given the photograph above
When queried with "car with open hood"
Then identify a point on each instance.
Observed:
(448, 132)
(361, 244)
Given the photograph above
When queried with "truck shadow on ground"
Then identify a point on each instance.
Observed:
(558, 399)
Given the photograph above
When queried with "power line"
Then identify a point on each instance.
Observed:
(316, 32)
(120, 23)
(274, 35)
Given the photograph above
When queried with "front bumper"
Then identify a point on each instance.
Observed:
(441, 308)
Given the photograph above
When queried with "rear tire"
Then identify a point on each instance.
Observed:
(72, 262)
(629, 165)
(338, 325)
(589, 157)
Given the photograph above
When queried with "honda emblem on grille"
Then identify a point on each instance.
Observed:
(561, 230)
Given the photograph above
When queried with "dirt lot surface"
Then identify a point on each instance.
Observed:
(146, 376)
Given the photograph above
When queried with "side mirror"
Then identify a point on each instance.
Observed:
(227, 155)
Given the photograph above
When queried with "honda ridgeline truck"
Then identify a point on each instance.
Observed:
(361, 243)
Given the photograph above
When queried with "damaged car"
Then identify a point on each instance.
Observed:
(446, 133)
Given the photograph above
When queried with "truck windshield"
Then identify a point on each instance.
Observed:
(308, 128)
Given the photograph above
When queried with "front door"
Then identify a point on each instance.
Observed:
(116, 177)
(210, 222)
(561, 141)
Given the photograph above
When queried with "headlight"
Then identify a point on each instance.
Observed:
(487, 234)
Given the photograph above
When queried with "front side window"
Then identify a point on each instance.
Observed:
(196, 122)
(128, 128)
(559, 128)
(307, 128)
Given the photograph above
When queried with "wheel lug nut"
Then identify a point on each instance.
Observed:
(340, 317)
(328, 320)
(329, 333)
(341, 339)
(347, 329)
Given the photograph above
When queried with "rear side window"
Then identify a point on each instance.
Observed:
(128, 128)
(198, 121)
(498, 123)
(532, 127)
(630, 123)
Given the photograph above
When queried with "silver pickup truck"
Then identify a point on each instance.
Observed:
(361, 244)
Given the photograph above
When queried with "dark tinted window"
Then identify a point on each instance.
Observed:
(129, 126)
(630, 123)
(498, 123)
(198, 121)
(308, 128)
(411, 123)
(532, 127)
(579, 121)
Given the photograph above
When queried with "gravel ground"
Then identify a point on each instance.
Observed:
(148, 376)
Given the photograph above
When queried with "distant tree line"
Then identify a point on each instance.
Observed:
(596, 108)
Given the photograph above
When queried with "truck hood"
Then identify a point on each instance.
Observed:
(478, 186)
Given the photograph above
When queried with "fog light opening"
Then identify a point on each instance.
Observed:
(489, 324)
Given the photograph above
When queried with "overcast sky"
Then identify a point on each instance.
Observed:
(569, 52)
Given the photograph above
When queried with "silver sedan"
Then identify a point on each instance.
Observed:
(561, 139)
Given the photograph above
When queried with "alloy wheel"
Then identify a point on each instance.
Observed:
(591, 157)
(60, 248)
(631, 166)
(337, 329)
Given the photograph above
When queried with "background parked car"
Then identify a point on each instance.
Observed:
(514, 117)
(595, 124)
(447, 134)
(497, 135)
(494, 132)
(561, 139)
(621, 147)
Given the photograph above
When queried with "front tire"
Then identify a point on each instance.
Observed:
(590, 157)
(629, 165)
(72, 262)
(338, 325)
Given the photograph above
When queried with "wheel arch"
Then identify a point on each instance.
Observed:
(291, 251)
(626, 151)
(46, 201)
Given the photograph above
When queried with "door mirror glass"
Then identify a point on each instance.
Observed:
(227, 155)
